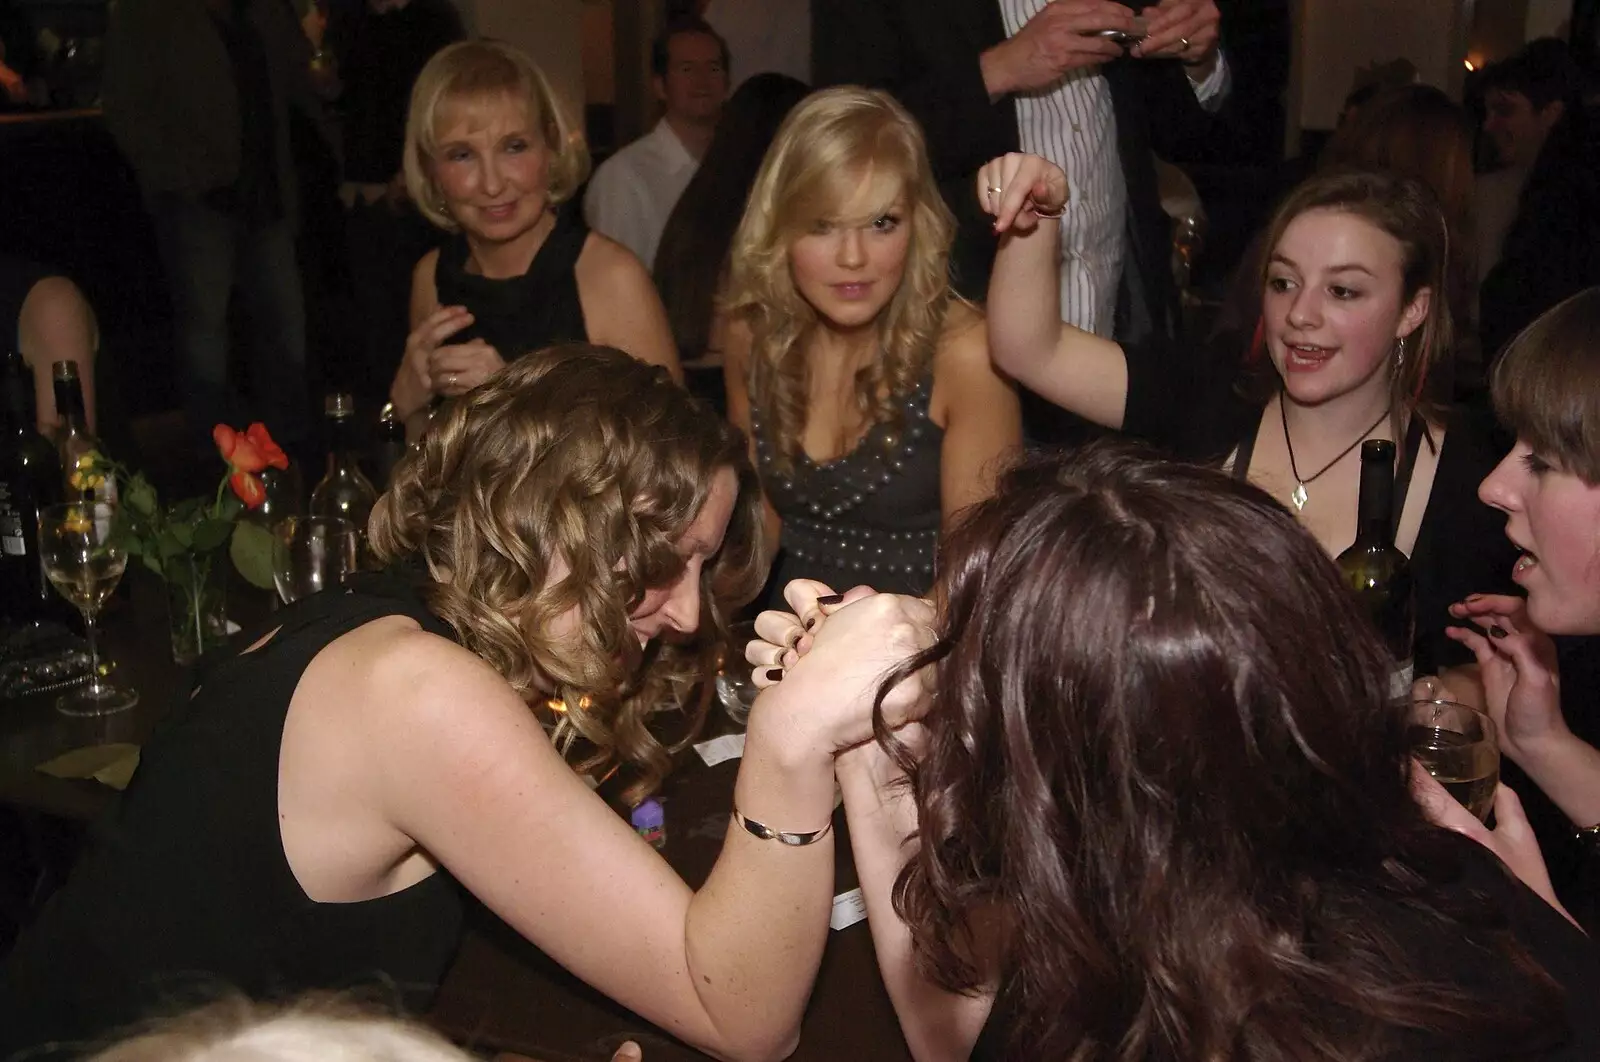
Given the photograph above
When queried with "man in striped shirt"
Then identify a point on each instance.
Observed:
(986, 77)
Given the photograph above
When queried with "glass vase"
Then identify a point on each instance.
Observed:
(197, 603)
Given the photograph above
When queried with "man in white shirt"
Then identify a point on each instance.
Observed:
(633, 192)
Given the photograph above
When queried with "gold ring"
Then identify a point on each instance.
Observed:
(450, 381)
(1183, 43)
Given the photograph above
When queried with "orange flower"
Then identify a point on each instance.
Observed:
(248, 453)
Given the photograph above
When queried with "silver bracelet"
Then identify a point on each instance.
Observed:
(767, 833)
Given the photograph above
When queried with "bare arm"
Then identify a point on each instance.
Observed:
(938, 1025)
(734, 339)
(981, 415)
(412, 390)
(483, 791)
(622, 307)
(57, 324)
(1077, 370)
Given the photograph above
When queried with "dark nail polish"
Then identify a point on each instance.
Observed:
(812, 622)
(775, 674)
(1497, 631)
(831, 599)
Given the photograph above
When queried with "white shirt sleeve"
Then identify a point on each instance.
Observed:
(1214, 89)
(615, 206)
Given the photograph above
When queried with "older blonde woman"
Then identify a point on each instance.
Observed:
(570, 532)
(862, 379)
(490, 157)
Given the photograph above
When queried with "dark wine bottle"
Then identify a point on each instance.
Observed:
(344, 491)
(1375, 568)
(73, 442)
(30, 479)
(390, 446)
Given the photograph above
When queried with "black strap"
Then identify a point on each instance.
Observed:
(1402, 472)
(1245, 450)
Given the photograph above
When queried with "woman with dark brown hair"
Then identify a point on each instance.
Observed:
(1159, 806)
(561, 551)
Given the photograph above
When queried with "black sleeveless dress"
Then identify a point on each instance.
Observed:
(184, 891)
(520, 314)
(870, 517)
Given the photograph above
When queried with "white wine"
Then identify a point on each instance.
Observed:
(1377, 572)
(1468, 768)
(87, 585)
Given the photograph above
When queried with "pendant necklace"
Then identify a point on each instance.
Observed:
(1299, 496)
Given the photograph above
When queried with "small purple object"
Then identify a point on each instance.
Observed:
(650, 820)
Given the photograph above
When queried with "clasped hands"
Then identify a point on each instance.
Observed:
(434, 367)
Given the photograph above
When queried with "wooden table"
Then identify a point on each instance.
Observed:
(501, 994)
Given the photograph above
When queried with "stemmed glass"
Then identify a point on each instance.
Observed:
(85, 562)
(310, 553)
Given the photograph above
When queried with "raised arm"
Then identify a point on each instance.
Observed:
(980, 412)
(1077, 370)
(56, 323)
(621, 307)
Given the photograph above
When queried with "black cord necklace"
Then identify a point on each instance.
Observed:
(1299, 495)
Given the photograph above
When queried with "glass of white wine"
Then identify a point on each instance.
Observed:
(85, 562)
(1457, 745)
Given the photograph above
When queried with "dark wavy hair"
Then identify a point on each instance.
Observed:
(1163, 766)
(692, 259)
(580, 457)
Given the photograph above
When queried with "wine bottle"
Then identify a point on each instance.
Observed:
(74, 441)
(391, 444)
(30, 479)
(1375, 568)
(344, 490)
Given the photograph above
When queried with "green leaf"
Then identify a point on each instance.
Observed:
(251, 550)
(153, 562)
(230, 508)
(187, 511)
(184, 533)
(140, 496)
(210, 534)
(168, 545)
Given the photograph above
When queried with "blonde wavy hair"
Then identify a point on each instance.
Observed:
(314, 1029)
(562, 484)
(829, 144)
(470, 75)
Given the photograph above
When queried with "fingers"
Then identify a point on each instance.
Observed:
(1481, 650)
(628, 1052)
(1510, 820)
(458, 368)
(1442, 809)
(1487, 604)
(1009, 187)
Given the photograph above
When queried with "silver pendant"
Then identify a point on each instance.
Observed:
(1298, 496)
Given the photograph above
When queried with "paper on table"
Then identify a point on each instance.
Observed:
(848, 909)
(721, 749)
(111, 765)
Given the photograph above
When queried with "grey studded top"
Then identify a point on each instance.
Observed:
(869, 517)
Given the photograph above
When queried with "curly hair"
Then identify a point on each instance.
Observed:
(1162, 760)
(827, 146)
(564, 483)
(477, 73)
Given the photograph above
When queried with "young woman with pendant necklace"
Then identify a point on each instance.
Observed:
(1351, 337)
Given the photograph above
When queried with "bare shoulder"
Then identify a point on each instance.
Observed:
(604, 261)
(963, 341)
(425, 273)
(414, 678)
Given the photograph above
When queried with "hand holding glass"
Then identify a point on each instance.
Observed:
(1457, 746)
(311, 553)
(84, 563)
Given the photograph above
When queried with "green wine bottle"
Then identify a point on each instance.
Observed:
(1375, 568)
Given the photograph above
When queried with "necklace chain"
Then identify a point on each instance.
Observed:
(1299, 495)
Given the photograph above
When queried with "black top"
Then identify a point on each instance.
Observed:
(1193, 405)
(526, 313)
(379, 59)
(254, 197)
(17, 278)
(871, 516)
(1447, 956)
(185, 888)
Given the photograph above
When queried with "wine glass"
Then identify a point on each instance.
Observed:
(736, 692)
(311, 553)
(85, 562)
(1457, 746)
